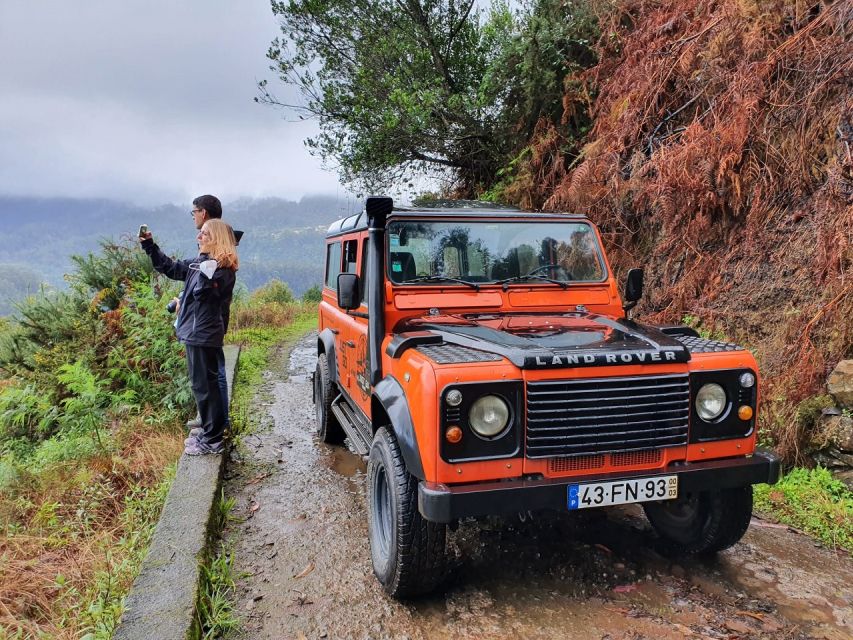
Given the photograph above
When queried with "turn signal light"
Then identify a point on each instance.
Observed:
(744, 412)
(453, 434)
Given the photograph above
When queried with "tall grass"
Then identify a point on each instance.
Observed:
(74, 536)
(259, 328)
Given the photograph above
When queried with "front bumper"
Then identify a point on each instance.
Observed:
(443, 503)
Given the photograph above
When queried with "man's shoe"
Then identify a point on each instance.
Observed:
(196, 448)
(195, 423)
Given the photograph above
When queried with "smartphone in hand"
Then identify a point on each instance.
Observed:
(143, 232)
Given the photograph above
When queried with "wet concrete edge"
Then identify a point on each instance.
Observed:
(162, 601)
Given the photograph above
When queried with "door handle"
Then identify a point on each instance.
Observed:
(349, 343)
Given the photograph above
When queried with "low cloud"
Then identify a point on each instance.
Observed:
(149, 101)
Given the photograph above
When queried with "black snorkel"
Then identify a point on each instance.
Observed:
(377, 209)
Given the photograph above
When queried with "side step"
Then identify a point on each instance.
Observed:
(357, 431)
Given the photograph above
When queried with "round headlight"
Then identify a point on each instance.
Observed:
(489, 416)
(710, 401)
(454, 397)
(747, 379)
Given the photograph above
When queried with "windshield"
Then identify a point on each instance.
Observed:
(494, 251)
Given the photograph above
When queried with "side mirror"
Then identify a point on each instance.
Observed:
(633, 289)
(348, 291)
(634, 285)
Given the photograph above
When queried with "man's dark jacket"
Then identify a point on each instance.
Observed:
(202, 319)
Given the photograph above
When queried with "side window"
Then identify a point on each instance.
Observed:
(362, 280)
(350, 256)
(333, 264)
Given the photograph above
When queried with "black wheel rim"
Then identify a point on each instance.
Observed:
(681, 519)
(680, 513)
(382, 512)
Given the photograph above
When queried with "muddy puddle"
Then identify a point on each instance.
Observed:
(301, 543)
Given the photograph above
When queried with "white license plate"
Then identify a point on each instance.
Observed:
(602, 494)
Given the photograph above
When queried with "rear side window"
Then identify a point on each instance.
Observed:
(333, 264)
(350, 255)
(362, 282)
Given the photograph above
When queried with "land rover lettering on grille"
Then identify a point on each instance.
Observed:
(483, 360)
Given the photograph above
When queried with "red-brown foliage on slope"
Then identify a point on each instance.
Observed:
(721, 159)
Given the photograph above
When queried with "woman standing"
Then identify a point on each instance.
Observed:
(209, 282)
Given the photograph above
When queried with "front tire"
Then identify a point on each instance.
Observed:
(408, 552)
(703, 522)
(328, 428)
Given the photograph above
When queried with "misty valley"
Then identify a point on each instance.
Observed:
(283, 238)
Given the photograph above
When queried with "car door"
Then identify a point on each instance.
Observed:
(354, 364)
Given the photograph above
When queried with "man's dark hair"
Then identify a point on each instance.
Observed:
(210, 204)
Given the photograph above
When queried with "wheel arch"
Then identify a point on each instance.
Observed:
(390, 406)
(326, 345)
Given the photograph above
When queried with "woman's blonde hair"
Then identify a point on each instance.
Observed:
(223, 247)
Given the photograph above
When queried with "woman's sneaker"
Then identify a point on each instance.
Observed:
(196, 448)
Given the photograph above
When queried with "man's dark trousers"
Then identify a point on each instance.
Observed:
(203, 365)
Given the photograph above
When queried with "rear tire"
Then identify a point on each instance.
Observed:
(703, 522)
(408, 552)
(328, 428)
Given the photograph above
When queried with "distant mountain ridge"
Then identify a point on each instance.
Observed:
(283, 238)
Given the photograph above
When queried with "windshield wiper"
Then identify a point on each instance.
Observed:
(530, 276)
(440, 279)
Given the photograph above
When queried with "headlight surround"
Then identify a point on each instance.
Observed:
(711, 401)
(489, 416)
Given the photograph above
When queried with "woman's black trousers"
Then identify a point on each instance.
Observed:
(203, 365)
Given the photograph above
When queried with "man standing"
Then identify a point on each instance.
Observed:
(205, 208)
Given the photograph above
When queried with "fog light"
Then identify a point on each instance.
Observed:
(453, 434)
(744, 412)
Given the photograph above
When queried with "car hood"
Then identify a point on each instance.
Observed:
(554, 340)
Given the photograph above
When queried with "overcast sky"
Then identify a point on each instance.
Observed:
(146, 101)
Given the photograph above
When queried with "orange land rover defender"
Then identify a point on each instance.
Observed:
(483, 359)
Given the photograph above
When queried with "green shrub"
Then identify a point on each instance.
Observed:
(812, 500)
(78, 359)
(26, 413)
(147, 359)
(240, 296)
(313, 295)
(273, 291)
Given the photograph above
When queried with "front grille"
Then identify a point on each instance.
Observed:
(645, 457)
(636, 458)
(604, 415)
(576, 463)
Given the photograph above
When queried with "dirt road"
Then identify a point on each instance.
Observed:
(301, 547)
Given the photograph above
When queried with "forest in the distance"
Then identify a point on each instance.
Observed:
(283, 238)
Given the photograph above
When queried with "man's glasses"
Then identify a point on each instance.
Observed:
(195, 211)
